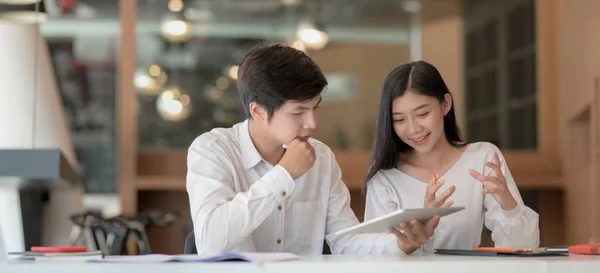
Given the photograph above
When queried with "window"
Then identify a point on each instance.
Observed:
(501, 73)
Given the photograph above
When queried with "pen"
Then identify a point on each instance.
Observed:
(506, 250)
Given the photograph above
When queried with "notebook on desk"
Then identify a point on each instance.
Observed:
(252, 257)
(58, 256)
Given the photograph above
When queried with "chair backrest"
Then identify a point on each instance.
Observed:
(190, 244)
(326, 249)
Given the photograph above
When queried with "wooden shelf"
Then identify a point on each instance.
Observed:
(176, 182)
(170, 183)
(167, 163)
(160, 182)
(539, 182)
(531, 170)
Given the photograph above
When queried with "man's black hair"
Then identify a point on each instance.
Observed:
(272, 74)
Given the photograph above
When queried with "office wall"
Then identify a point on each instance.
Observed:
(442, 45)
(356, 117)
(536, 172)
(577, 40)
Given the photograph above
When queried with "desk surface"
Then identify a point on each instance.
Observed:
(333, 264)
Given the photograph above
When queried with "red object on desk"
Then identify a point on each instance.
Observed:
(48, 249)
(589, 249)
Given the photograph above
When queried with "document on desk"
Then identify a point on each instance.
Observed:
(252, 257)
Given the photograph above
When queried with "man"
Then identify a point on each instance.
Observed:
(264, 185)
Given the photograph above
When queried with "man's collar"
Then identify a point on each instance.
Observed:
(250, 155)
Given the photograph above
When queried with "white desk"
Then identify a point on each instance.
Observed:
(334, 264)
(438, 263)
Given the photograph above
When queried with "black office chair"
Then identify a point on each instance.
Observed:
(189, 246)
(326, 249)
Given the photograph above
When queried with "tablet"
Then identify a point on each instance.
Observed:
(383, 223)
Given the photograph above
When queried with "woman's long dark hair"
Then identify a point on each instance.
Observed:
(420, 77)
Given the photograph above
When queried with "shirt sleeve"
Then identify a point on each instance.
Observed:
(340, 215)
(221, 216)
(517, 228)
(381, 200)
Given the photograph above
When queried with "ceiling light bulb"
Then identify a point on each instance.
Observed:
(149, 81)
(173, 104)
(233, 71)
(176, 30)
(175, 5)
(312, 37)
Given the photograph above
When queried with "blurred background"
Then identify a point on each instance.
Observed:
(135, 81)
(186, 60)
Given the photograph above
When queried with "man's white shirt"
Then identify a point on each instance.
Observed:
(239, 202)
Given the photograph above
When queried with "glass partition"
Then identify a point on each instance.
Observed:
(83, 41)
(188, 52)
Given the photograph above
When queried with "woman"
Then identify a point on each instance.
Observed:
(420, 160)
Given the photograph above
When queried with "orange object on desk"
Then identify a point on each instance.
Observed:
(504, 250)
(588, 249)
(50, 249)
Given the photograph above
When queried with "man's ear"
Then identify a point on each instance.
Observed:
(257, 111)
(447, 105)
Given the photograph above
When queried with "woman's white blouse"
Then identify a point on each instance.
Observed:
(390, 190)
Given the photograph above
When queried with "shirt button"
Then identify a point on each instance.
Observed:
(278, 241)
(283, 193)
(279, 207)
